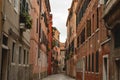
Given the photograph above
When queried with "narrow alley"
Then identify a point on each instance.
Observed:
(59, 39)
(58, 77)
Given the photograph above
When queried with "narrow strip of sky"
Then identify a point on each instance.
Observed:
(59, 9)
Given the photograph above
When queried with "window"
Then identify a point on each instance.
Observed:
(20, 54)
(38, 54)
(78, 41)
(97, 18)
(86, 63)
(27, 7)
(92, 62)
(27, 57)
(70, 31)
(82, 11)
(89, 64)
(38, 1)
(88, 28)
(10, 1)
(93, 25)
(13, 51)
(24, 61)
(105, 1)
(83, 36)
(97, 61)
(5, 40)
(37, 24)
(24, 6)
(16, 5)
(117, 36)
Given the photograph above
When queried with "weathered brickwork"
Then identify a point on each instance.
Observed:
(93, 43)
(111, 17)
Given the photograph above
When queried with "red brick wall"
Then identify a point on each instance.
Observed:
(50, 45)
(34, 36)
(93, 43)
(79, 76)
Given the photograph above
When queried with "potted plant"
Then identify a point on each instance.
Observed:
(26, 19)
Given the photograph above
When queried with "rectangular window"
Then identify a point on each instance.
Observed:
(78, 41)
(86, 63)
(16, 5)
(92, 62)
(27, 7)
(5, 40)
(38, 1)
(93, 23)
(117, 36)
(39, 54)
(88, 28)
(97, 18)
(82, 11)
(20, 54)
(24, 60)
(70, 31)
(89, 64)
(27, 57)
(83, 36)
(97, 61)
(105, 1)
(37, 25)
(13, 51)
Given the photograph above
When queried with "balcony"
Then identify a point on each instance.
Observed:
(25, 21)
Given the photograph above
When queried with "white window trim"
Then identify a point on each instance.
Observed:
(16, 6)
(13, 63)
(10, 1)
(106, 56)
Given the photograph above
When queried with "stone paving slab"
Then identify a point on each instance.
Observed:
(58, 77)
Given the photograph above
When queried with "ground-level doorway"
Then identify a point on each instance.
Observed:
(4, 65)
(118, 69)
(105, 68)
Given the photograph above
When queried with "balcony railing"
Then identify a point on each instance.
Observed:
(25, 18)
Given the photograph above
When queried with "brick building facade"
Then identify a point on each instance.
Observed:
(44, 31)
(50, 46)
(56, 50)
(71, 42)
(93, 40)
(111, 17)
(39, 38)
(34, 40)
(92, 52)
(62, 57)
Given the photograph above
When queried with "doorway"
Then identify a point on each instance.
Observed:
(118, 69)
(4, 64)
(83, 68)
(105, 67)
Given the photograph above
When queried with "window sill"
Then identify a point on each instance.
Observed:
(16, 10)
(12, 63)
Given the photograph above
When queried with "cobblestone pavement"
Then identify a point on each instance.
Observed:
(58, 77)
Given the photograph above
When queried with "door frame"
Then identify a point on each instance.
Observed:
(106, 56)
(83, 67)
